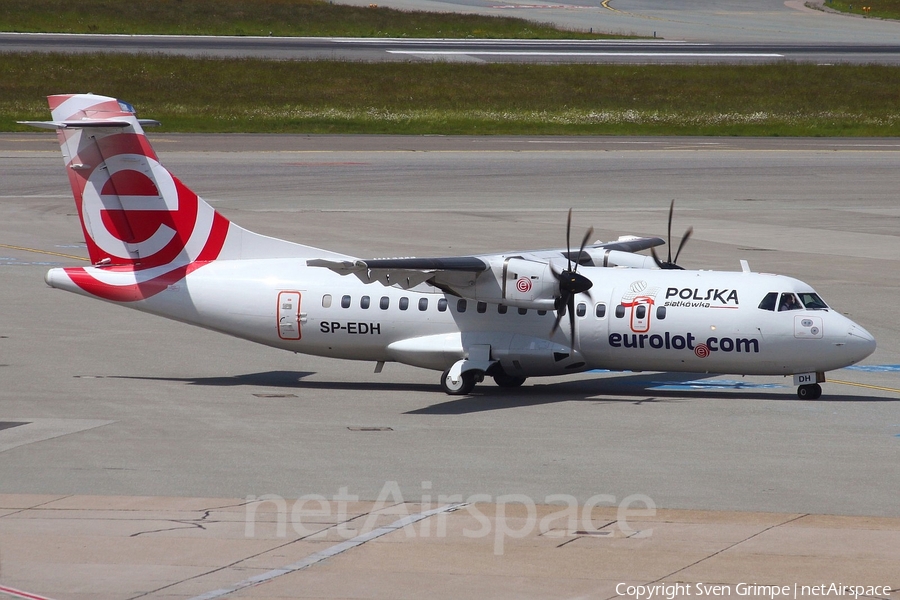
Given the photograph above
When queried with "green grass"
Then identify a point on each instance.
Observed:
(260, 17)
(885, 9)
(213, 95)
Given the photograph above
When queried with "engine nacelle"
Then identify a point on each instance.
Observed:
(616, 258)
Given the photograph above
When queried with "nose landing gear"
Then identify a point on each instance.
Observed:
(810, 391)
(809, 388)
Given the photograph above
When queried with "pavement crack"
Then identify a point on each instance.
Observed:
(240, 560)
(189, 524)
(718, 552)
(36, 506)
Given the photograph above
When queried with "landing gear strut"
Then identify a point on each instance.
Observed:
(464, 385)
(810, 391)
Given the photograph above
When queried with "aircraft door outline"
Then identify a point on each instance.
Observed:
(289, 315)
(640, 313)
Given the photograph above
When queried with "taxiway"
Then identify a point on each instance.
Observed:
(99, 400)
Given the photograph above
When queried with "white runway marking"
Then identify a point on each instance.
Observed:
(635, 54)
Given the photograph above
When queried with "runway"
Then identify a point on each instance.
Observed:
(471, 50)
(99, 400)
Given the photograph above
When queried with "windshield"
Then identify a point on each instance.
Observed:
(812, 301)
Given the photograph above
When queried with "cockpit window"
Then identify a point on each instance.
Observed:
(789, 302)
(768, 303)
(812, 301)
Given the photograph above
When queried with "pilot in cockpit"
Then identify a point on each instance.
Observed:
(789, 302)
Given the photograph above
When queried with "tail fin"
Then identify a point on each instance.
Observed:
(134, 213)
(144, 229)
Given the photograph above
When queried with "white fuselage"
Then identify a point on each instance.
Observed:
(631, 319)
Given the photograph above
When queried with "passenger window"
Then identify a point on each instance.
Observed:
(660, 312)
(523, 311)
(442, 305)
(385, 303)
(501, 308)
(345, 302)
(404, 303)
(326, 301)
(768, 303)
(640, 312)
(461, 305)
(581, 309)
(620, 311)
(423, 303)
(481, 307)
(788, 302)
(364, 302)
(600, 310)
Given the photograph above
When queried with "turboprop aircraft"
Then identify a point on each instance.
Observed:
(157, 247)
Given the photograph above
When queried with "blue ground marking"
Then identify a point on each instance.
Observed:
(712, 384)
(875, 368)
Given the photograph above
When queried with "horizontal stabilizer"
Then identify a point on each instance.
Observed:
(88, 123)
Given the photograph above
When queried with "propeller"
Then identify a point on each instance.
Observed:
(672, 264)
(570, 282)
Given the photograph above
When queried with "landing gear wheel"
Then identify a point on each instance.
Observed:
(464, 386)
(810, 391)
(508, 381)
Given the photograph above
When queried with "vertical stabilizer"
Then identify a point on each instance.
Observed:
(133, 211)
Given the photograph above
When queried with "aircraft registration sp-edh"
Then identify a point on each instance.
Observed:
(157, 247)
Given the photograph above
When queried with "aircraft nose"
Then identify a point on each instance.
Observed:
(860, 342)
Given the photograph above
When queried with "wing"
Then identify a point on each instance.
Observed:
(444, 273)
(459, 274)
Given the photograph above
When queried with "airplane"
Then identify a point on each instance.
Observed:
(157, 247)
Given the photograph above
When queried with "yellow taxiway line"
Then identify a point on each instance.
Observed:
(22, 248)
(865, 385)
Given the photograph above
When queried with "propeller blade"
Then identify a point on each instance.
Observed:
(684, 239)
(572, 320)
(669, 263)
(569, 245)
(587, 236)
(669, 239)
(560, 311)
(658, 262)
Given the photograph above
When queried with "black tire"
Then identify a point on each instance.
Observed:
(812, 391)
(508, 381)
(465, 386)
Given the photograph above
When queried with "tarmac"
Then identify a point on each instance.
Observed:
(88, 547)
(133, 451)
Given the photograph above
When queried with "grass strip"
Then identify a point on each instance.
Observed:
(249, 95)
(262, 18)
(884, 9)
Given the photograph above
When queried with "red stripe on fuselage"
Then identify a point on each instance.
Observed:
(142, 290)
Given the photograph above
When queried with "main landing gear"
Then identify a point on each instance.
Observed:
(462, 386)
(810, 391)
(467, 380)
(508, 381)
